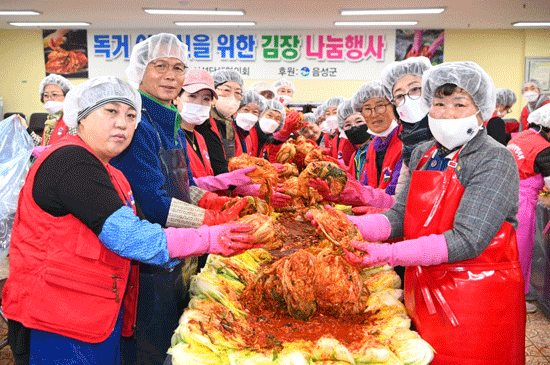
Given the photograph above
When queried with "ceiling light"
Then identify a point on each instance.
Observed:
(192, 12)
(531, 24)
(374, 24)
(392, 11)
(50, 24)
(215, 24)
(18, 12)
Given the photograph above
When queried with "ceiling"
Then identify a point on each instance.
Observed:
(279, 14)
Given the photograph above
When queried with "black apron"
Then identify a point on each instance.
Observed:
(163, 294)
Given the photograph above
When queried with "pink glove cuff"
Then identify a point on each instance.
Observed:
(185, 242)
(373, 227)
(425, 251)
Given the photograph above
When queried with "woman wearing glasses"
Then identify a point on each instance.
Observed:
(402, 81)
(53, 89)
(383, 161)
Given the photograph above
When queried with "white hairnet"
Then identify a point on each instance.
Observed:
(505, 97)
(94, 93)
(344, 111)
(226, 75)
(284, 82)
(53, 79)
(251, 97)
(468, 76)
(398, 69)
(263, 86)
(333, 102)
(541, 116)
(367, 91)
(155, 47)
(277, 106)
(319, 111)
(310, 118)
(532, 81)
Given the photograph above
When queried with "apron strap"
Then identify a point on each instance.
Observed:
(428, 287)
(446, 180)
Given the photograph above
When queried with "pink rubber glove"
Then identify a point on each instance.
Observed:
(354, 193)
(423, 251)
(250, 190)
(37, 151)
(226, 240)
(223, 181)
(279, 200)
(373, 227)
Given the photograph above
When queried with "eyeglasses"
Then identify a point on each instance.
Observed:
(413, 93)
(378, 109)
(53, 96)
(226, 90)
(163, 67)
(508, 109)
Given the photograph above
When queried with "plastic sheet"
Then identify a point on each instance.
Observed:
(15, 150)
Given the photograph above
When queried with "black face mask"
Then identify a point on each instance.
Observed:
(358, 134)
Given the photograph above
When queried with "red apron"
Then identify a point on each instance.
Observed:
(58, 132)
(199, 168)
(472, 312)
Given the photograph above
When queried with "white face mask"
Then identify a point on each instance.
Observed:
(324, 127)
(531, 96)
(227, 105)
(246, 120)
(52, 106)
(412, 111)
(268, 126)
(332, 122)
(194, 114)
(285, 99)
(387, 132)
(452, 133)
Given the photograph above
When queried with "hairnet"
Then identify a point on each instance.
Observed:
(333, 102)
(53, 79)
(284, 82)
(96, 92)
(467, 76)
(310, 118)
(262, 86)
(505, 97)
(532, 81)
(155, 47)
(367, 91)
(226, 75)
(277, 106)
(344, 111)
(319, 111)
(396, 70)
(541, 116)
(251, 97)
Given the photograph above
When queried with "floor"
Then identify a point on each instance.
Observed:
(537, 339)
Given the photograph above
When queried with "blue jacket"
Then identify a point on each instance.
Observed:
(140, 162)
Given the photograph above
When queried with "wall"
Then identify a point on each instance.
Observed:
(500, 52)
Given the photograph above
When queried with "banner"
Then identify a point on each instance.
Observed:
(308, 55)
(65, 52)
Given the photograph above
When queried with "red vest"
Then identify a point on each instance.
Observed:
(62, 278)
(252, 143)
(525, 147)
(199, 168)
(345, 150)
(59, 131)
(392, 157)
(525, 115)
